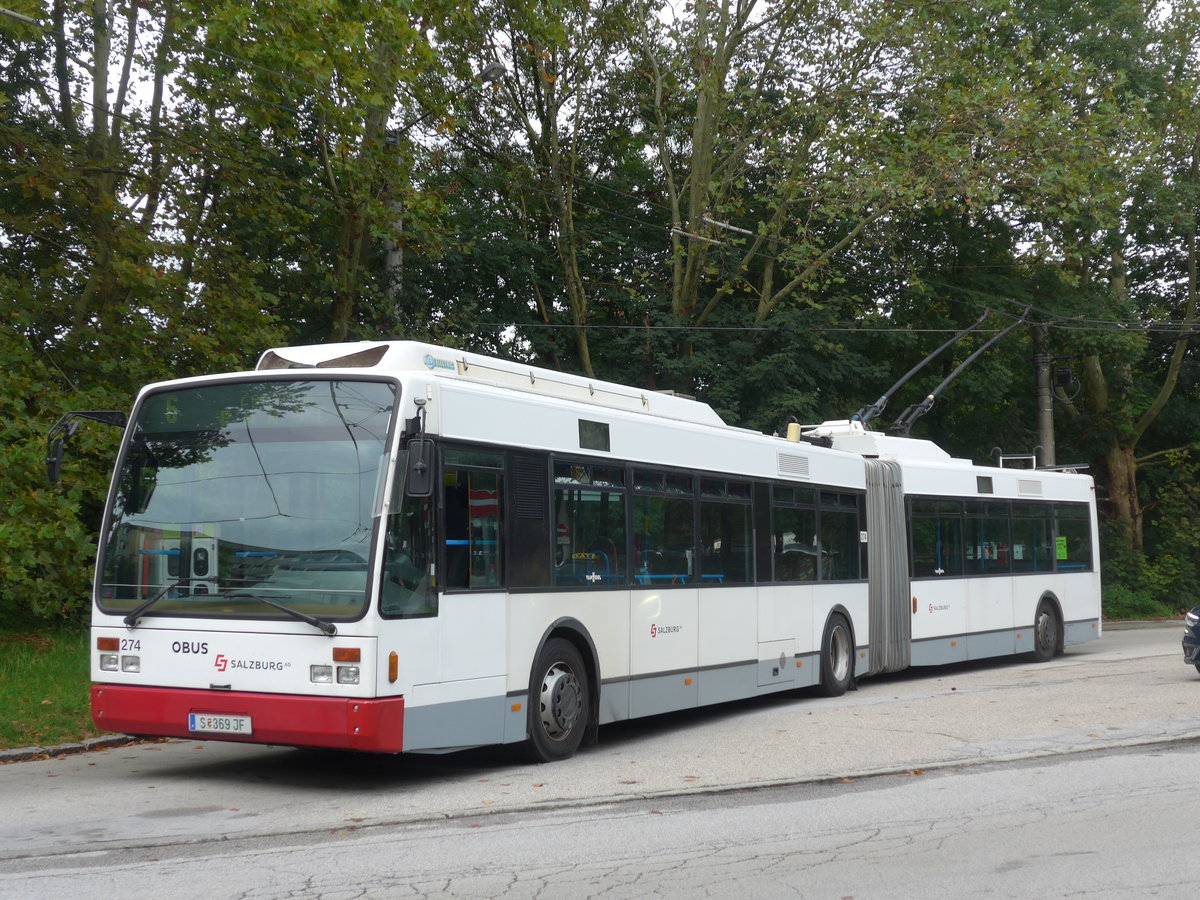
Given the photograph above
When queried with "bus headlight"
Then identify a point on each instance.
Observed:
(131, 664)
(347, 674)
(320, 674)
(108, 662)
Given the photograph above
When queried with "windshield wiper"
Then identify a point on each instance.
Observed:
(132, 619)
(326, 626)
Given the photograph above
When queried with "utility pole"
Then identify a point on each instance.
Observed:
(1045, 401)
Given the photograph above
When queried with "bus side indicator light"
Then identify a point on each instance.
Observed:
(516, 707)
(108, 643)
(687, 681)
(393, 667)
(347, 654)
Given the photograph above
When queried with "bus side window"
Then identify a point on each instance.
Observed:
(408, 589)
(838, 528)
(793, 518)
(471, 502)
(1073, 537)
(937, 528)
(1033, 539)
(665, 538)
(987, 539)
(589, 537)
(725, 532)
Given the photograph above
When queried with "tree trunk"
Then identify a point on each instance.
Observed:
(1125, 508)
(347, 270)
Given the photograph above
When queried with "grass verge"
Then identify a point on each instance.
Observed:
(44, 686)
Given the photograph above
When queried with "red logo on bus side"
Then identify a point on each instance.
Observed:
(221, 662)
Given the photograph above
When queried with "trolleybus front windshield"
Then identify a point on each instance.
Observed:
(231, 495)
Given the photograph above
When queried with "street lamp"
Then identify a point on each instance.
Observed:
(493, 71)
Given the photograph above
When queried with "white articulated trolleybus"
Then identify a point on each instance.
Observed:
(393, 546)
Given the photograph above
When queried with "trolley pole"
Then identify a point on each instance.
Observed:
(1045, 402)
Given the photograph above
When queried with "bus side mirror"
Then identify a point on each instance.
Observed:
(418, 477)
(54, 455)
(65, 428)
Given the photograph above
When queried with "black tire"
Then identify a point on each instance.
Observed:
(559, 702)
(837, 657)
(1198, 667)
(1047, 632)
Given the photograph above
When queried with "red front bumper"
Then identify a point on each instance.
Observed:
(337, 722)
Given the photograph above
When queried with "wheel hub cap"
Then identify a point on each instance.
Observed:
(560, 701)
(1045, 630)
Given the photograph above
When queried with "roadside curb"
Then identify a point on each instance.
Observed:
(1129, 624)
(104, 742)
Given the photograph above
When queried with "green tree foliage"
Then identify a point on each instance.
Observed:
(1128, 251)
(183, 185)
(777, 206)
(553, 144)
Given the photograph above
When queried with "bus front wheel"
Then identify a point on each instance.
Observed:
(837, 657)
(1046, 629)
(558, 702)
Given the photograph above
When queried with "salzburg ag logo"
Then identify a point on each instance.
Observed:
(222, 662)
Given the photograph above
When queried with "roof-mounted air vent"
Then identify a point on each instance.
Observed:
(360, 359)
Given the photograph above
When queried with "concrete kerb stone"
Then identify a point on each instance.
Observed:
(103, 742)
(1129, 624)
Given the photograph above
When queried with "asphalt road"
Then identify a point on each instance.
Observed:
(1128, 689)
(1105, 825)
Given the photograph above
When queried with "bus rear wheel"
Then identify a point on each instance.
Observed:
(559, 702)
(1046, 629)
(837, 657)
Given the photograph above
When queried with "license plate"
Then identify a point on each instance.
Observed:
(219, 724)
